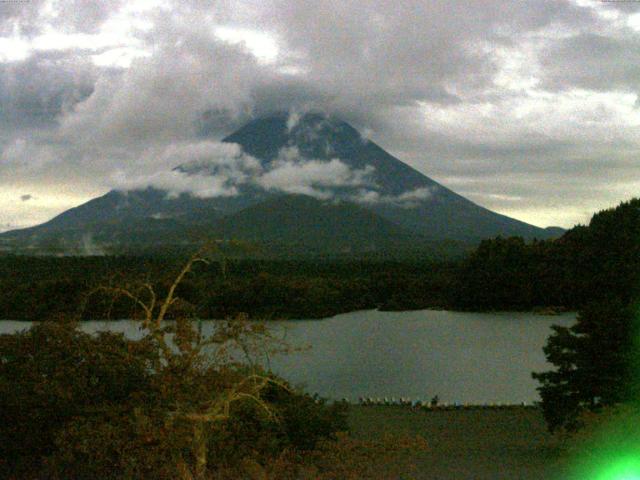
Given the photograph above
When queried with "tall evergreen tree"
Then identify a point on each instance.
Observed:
(595, 363)
(596, 360)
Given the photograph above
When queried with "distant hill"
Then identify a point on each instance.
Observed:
(396, 208)
(299, 222)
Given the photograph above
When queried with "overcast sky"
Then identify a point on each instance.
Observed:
(527, 107)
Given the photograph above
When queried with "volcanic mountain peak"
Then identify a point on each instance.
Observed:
(315, 135)
(281, 154)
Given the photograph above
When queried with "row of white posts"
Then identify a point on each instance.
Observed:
(427, 405)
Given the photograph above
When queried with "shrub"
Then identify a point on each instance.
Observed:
(53, 373)
(176, 404)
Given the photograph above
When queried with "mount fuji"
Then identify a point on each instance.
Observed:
(311, 184)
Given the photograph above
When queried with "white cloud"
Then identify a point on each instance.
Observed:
(206, 169)
(214, 169)
(176, 183)
(260, 44)
(408, 199)
(120, 57)
(293, 174)
(13, 49)
(53, 40)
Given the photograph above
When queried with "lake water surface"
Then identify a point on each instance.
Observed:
(461, 357)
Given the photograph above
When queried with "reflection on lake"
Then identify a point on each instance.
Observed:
(463, 357)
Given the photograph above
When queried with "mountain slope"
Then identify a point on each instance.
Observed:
(372, 201)
(442, 214)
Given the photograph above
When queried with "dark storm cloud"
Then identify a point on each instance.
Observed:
(23, 13)
(362, 59)
(282, 93)
(626, 6)
(411, 48)
(34, 92)
(85, 16)
(471, 92)
(593, 61)
(164, 97)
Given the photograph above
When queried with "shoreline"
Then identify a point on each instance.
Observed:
(551, 312)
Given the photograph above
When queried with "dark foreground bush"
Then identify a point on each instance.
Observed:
(176, 404)
(51, 375)
(73, 405)
(79, 406)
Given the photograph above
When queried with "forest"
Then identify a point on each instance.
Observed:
(586, 263)
(35, 288)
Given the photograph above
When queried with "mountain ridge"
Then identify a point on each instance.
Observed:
(438, 217)
(378, 191)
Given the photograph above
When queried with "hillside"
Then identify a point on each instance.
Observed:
(292, 199)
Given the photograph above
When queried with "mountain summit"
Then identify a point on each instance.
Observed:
(397, 191)
(307, 183)
(316, 136)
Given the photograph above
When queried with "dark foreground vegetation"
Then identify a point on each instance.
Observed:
(73, 406)
(597, 360)
(173, 405)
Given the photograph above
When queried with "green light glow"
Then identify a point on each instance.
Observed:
(622, 469)
(611, 451)
(609, 448)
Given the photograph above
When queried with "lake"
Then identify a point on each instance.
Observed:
(459, 356)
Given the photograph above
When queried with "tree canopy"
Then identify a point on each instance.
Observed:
(596, 360)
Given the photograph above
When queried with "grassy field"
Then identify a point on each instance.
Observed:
(509, 444)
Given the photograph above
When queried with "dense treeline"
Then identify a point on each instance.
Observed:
(597, 360)
(588, 263)
(34, 288)
(585, 264)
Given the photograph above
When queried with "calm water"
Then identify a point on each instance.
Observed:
(463, 357)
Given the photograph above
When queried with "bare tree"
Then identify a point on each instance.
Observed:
(187, 358)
